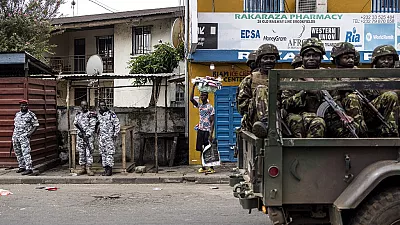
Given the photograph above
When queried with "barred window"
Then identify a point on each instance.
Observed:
(141, 40)
(106, 94)
(385, 6)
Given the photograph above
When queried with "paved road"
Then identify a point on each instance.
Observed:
(175, 204)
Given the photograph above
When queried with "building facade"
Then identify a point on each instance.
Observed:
(116, 38)
(227, 31)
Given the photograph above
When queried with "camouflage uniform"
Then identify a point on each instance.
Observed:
(255, 109)
(302, 106)
(349, 101)
(84, 141)
(386, 103)
(23, 124)
(297, 61)
(109, 128)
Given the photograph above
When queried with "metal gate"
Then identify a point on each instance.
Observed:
(41, 94)
(227, 119)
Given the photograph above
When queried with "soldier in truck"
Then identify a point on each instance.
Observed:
(302, 106)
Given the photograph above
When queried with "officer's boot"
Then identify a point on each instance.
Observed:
(260, 128)
(105, 171)
(89, 171)
(82, 170)
(109, 171)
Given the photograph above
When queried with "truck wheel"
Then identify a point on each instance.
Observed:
(381, 209)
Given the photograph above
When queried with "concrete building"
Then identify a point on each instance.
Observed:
(116, 37)
(224, 32)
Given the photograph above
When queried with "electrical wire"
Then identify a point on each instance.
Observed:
(365, 6)
(103, 6)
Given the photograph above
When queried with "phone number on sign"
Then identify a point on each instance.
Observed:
(377, 19)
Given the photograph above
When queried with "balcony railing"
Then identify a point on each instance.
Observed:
(264, 6)
(76, 64)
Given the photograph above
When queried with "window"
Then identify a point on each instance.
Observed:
(385, 6)
(105, 48)
(106, 94)
(263, 6)
(141, 40)
(80, 95)
(180, 93)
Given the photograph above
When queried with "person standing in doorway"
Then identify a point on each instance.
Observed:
(206, 124)
(108, 131)
(25, 124)
(85, 122)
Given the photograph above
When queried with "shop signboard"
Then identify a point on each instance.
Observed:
(230, 37)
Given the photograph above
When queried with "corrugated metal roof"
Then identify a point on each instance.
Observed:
(13, 64)
(110, 76)
(118, 15)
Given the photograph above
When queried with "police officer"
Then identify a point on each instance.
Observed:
(253, 93)
(302, 106)
(85, 122)
(297, 61)
(108, 130)
(25, 124)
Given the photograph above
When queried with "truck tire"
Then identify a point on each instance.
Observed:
(381, 209)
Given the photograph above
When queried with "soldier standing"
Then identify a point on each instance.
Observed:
(25, 124)
(85, 122)
(302, 106)
(109, 128)
(253, 91)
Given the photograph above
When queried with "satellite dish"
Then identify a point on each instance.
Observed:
(94, 65)
(177, 32)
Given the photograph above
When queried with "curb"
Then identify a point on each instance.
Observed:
(112, 180)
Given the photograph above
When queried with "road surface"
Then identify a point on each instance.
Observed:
(175, 204)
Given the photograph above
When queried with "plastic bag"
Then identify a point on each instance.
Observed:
(210, 156)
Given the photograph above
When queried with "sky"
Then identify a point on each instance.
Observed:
(87, 7)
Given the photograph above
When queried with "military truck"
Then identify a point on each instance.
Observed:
(324, 180)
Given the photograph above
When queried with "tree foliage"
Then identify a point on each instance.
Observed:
(164, 59)
(25, 25)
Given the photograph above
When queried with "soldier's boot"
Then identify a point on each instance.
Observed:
(82, 170)
(109, 171)
(260, 129)
(89, 171)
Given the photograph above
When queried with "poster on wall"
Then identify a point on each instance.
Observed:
(237, 34)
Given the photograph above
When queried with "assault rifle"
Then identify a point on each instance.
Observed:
(375, 110)
(82, 132)
(282, 123)
(330, 102)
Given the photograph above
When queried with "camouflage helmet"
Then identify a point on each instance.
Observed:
(267, 49)
(314, 44)
(357, 58)
(251, 57)
(342, 48)
(383, 50)
(297, 59)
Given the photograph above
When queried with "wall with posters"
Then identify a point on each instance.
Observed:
(230, 37)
